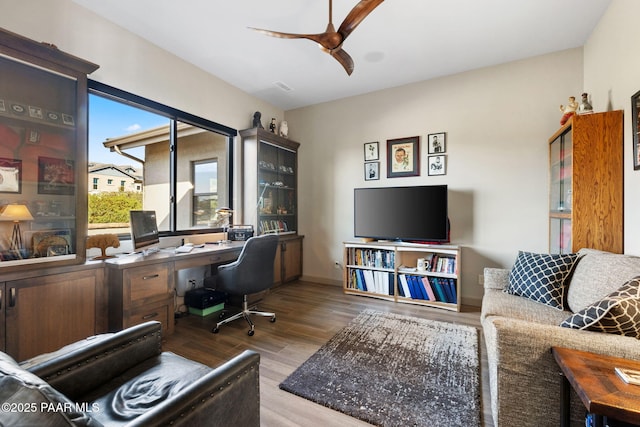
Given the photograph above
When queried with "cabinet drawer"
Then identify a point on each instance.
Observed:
(143, 314)
(146, 283)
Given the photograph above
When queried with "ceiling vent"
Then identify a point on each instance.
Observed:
(283, 86)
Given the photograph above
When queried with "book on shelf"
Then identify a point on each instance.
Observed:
(427, 287)
(437, 289)
(377, 258)
(379, 282)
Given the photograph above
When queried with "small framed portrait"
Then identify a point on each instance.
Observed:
(437, 142)
(10, 176)
(371, 151)
(403, 157)
(56, 176)
(33, 136)
(437, 165)
(68, 120)
(371, 171)
(35, 112)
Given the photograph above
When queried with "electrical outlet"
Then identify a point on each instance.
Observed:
(481, 279)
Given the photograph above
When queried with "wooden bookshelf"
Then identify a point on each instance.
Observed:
(389, 271)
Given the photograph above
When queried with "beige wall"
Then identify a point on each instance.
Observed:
(612, 75)
(497, 120)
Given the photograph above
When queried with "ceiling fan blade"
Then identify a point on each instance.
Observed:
(344, 59)
(328, 40)
(356, 16)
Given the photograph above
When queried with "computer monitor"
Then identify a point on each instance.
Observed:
(144, 230)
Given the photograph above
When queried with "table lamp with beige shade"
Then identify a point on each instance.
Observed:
(16, 213)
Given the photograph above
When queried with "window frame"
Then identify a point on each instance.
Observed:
(174, 116)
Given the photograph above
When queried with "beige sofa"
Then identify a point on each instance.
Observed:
(525, 381)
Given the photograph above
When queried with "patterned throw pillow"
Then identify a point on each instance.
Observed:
(541, 277)
(617, 313)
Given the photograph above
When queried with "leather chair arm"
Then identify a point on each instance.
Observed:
(84, 366)
(228, 395)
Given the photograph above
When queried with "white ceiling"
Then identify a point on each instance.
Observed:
(400, 42)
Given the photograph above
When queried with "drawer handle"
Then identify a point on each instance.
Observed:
(153, 276)
(12, 297)
(149, 316)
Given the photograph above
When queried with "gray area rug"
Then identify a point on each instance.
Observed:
(394, 370)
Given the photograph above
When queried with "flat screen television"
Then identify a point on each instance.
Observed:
(415, 214)
(144, 229)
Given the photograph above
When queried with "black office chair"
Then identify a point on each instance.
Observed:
(251, 273)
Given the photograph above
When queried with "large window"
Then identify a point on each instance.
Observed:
(144, 155)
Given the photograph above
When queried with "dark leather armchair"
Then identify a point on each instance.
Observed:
(124, 379)
(251, 273)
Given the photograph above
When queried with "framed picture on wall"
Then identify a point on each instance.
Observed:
(437, 165)
(437, 142)
(371, 171)
(371, 151)
(55, 176)
(10, 176)
(403, 157)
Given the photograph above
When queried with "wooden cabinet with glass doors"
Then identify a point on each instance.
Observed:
(586, 184)
(270, 195)
(43, 155)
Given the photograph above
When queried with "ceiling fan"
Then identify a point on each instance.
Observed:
(331, 40)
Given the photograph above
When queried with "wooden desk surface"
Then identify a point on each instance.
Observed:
(602, 392)
(183, 258)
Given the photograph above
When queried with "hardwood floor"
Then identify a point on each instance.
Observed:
(308, 315)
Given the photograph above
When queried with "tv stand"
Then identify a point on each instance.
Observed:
(389, 271)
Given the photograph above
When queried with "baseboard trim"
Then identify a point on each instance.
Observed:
(321, 280)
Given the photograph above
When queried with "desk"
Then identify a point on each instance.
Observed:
(142, 287)
(602, 392)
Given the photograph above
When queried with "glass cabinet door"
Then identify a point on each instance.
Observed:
(43, 164)
(277, 186)
(560, 236)
(560, 193)
(561, 174)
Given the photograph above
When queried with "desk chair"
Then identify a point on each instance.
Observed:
(251, 273)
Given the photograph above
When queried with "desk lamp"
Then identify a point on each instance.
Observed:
(223, 215)
(16, 213)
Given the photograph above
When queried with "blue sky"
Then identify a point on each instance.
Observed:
(110, 119)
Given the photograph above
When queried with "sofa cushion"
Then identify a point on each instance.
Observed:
(500, 304)
(541, 277)
(617, 313)
(143, 387)
(597, 275)
(28, 400)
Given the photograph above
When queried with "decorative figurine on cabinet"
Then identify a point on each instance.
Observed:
(103, 241)
(256, 120)
(585, 106)
(272, 125)
(284, 129)
(568, 110)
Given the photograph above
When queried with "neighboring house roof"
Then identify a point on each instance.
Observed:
(115, 170)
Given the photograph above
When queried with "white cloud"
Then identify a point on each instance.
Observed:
(134, 127)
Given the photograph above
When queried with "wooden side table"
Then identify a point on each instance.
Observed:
(602, 392)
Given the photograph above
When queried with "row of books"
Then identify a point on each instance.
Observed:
(379, 282)
(440, 263)
(373, 258)
(428, 288)
(273, 226)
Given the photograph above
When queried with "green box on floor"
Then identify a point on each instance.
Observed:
(206, 311)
